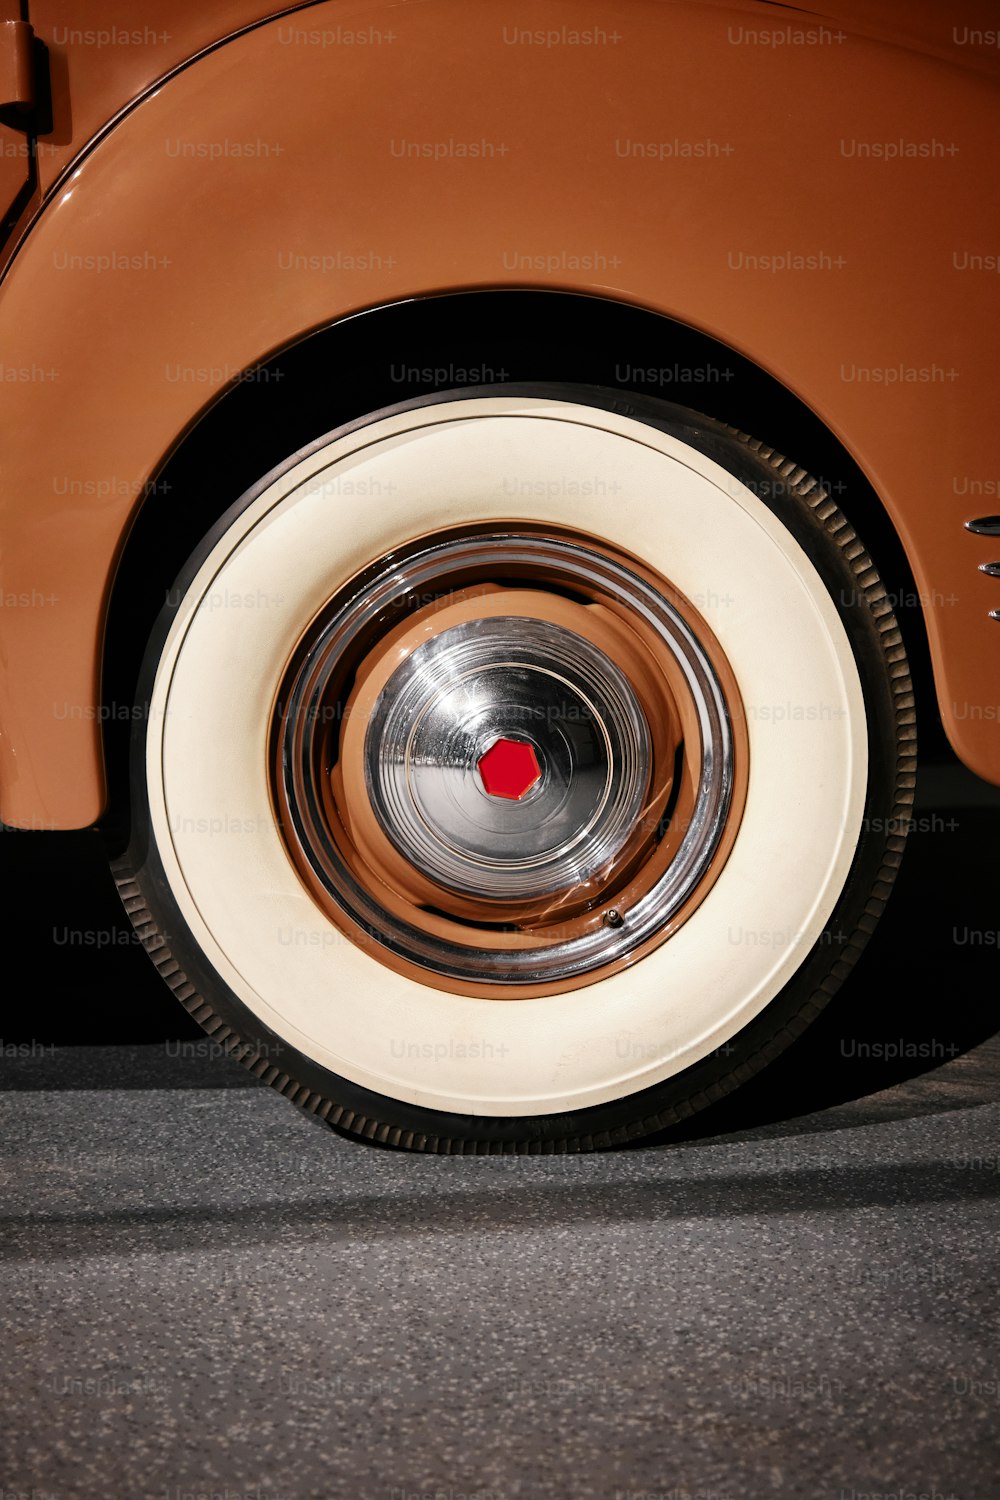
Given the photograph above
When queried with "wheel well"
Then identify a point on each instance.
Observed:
(377, 358)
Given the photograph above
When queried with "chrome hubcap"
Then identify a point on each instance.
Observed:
(549, 694)
(505, 761)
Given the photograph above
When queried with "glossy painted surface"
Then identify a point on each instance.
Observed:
(458, 155)
(103, 54)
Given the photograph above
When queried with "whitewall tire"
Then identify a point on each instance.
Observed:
(562, 990)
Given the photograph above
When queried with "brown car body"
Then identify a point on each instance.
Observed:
(431, 145)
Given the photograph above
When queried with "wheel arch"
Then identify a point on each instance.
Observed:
(94, 397)
(511, 338)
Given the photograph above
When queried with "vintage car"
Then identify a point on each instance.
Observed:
(442, 444)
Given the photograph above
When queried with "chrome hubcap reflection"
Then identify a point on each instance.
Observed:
(536, 684)
(459, 644)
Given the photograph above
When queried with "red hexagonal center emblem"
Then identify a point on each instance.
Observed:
(509, 769)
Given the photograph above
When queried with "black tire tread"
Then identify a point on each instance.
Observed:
(803, 485)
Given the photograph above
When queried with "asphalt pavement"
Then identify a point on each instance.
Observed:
(210, 1296)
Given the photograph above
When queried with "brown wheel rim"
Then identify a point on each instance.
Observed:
(508, 760)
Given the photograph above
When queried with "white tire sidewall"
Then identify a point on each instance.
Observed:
(360, 497)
